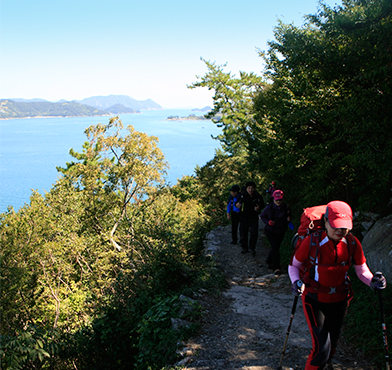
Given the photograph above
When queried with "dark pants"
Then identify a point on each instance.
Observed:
(235, 221)
(249, 225)
(275, 240)
(325, 321)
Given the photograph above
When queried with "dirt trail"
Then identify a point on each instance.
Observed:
(245, 328)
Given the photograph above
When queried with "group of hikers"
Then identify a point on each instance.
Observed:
(246, 206)
(319, 265)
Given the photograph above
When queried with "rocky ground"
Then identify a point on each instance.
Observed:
(246, 326)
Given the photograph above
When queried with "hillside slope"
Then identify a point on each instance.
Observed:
(12, 109)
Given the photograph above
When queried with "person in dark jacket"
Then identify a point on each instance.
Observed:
(251, 204)
(276, 217)
(234, 213)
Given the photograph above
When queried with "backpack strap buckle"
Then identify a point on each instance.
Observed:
(332, 290)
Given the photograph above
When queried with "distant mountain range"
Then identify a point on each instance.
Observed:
(94, 106)
(105, 102)
(205, 109)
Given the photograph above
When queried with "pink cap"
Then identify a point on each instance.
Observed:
(339, 215)
(278, 194)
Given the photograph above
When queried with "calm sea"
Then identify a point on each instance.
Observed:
(30, 149)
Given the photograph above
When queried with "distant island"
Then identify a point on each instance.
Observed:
(94, 106)
(191, 117)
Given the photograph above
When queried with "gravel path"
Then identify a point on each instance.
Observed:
(245, 327)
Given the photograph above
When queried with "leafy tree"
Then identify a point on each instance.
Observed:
(318, 120)
(92, 255)
(327, 106)
(233, 101)
(233, 111)
(113, 171)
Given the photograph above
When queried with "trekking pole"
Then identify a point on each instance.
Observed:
(299, 284)
(383, 325)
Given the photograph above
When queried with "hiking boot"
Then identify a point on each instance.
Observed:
(233, 242)
(253, 252)
(244, 251)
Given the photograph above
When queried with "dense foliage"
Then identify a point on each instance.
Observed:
(319, 123)
(91, 272)
(328, 106)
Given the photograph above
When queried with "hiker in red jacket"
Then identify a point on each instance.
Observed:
(321, 261)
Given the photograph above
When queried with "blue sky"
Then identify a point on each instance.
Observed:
(74, 49)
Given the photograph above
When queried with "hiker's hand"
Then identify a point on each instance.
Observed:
(257, 208)
(238, 205)
(297, 288)
(228, 216)
(271, 223)
(378, 281)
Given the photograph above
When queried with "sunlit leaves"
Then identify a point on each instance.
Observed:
(233, 102)
(131, 164)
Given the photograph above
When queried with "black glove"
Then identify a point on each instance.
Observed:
(378, 281)
(297, 288)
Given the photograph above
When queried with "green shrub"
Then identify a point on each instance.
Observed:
(158, 341)
(363, 321)
(32, 348)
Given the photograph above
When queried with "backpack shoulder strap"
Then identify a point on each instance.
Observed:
(308, 266)
(314, 247)
(351, 246)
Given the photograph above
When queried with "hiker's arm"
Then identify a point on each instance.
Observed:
(265, 215)
(294, 270)
(288, 214)
(363, 273)
(240, 200)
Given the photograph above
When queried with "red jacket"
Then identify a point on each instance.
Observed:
(325, 280)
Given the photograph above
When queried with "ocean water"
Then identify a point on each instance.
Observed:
(30, 149)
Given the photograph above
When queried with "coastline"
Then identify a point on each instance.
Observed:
(95, 115)
(33, 148)
(191, 117)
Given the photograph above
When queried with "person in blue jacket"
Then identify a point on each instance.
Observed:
(276, 217)
(234, 213)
